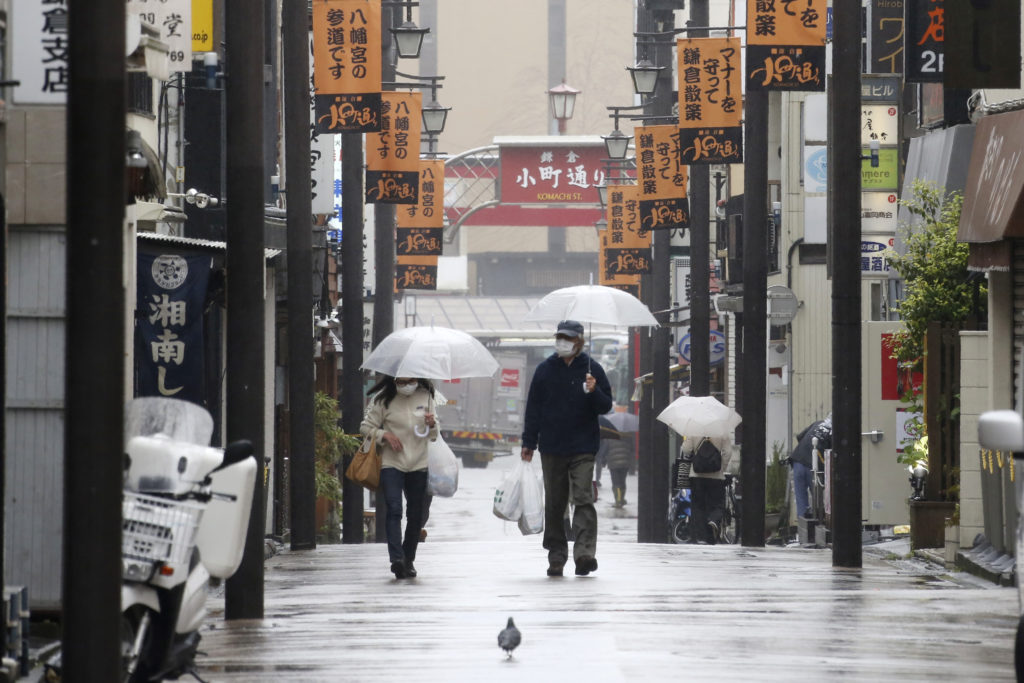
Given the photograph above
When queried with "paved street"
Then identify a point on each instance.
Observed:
(651, 612)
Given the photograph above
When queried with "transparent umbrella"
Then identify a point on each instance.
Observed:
(592, 304)
(697, 416)
(432, 353)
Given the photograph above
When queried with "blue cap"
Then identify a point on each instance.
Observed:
(569, 328)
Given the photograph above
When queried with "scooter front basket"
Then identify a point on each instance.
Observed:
(157, 535)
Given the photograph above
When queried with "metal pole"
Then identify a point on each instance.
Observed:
(94, 427)
(755, 337)
(700, 271)
(844, 166)
(246, 393)
(299, 210)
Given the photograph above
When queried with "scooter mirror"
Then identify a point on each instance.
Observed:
(236, 452)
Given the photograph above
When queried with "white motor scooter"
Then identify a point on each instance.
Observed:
(185, 517)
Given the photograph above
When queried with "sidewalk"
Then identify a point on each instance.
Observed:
(651, 612)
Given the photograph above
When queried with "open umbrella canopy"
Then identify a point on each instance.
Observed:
(623, 422)
(697, 416)
(432, 353)
(608, 430)
(595, 304)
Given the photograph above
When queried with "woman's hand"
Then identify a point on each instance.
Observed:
(429, 419)
(393, 441)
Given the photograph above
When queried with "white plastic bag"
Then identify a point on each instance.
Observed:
(531, 521)
(508, 497)
(442, 469)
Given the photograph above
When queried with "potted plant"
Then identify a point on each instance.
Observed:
(331, 444)
(776, 481)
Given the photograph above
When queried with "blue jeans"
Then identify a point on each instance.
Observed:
(803, 479)
(393, 484)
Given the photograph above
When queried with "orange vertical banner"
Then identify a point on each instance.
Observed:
(347, 72)
(393, 154)
(661, 178)
(710, 100)
(786, 44)
(627, 283)
(629, 244)
(421, 225)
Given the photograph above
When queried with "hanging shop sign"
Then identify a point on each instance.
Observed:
(39, 52)
(872, 255)
(925, 41)
(710, 100)
(661, 178)
(420, 229)
(886, 175)
(173, 19)
(169, 343)
(629, 243)
(392, 154)
(347, 65)
(202, 26)
(885, 36)
(416, 272)
(321, 159)
(786, 45)
(879, 123)
(627, 283)
(983, 42)
(552, 174)
(879, 212)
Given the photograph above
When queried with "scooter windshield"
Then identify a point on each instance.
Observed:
(180, 420)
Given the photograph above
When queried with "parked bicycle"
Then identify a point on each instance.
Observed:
(731, 519)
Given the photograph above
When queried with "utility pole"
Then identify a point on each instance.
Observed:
(299, 211)
(844, 163)
(94, 426)
(700, 271)
(246, 391)
(755, 335)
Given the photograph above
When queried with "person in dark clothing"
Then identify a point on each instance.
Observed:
(618, 455)
(568, 392)
(707, 486)
(802, 463)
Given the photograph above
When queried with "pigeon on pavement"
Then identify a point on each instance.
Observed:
(509, 637)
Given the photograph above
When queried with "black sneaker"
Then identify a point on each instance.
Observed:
(398, 568)
(555, 569)
(410, 571)
(585, 565)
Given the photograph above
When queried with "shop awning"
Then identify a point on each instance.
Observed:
(993, 207)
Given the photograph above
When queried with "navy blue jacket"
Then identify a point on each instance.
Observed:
(561, 419)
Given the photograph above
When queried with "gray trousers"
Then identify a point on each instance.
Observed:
(568, 478)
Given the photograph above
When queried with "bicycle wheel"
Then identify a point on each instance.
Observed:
(681, 530)
(728, 531)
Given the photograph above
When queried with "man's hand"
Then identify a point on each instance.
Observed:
(527, 454)
(590, 383)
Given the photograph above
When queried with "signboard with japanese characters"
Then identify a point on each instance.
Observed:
(627, 283)
(925, 41)
(393, 154)
(347, 65)
(551, 174)
(661, 178)
(416, 272)
(629, 243)
(171, 291)
(421, 225)
(985, 39)
(321, 157)
(878, 212)
(202, 25)
(885, 36)
(786, 45)
(173, 18)
(39, 51)
(886, 175)
(879, 123)
(879, 88)
(872, 256)
(710, 100)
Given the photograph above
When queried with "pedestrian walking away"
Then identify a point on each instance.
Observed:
(802, 461)
(618, 456)
(400, 417)
(709, 458)
(568, 392)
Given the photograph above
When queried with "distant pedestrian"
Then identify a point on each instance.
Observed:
(619, 456)
(568, 392)
(709, 458)
(401, 419)
(802, 462)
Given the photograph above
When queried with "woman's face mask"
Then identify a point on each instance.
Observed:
(407, 389)
(564, 347)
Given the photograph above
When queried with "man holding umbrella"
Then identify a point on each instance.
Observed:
(568, 392)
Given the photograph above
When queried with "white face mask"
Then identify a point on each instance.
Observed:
(407, 389)
(564, 347)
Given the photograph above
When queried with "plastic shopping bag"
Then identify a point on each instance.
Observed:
(442, 469)
(508, 497)
(531, 521)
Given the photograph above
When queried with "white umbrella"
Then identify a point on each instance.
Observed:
(432, 353)
(592, 304)
(696, 416)
(623, 421)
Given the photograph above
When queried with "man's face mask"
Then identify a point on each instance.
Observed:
(564, 347)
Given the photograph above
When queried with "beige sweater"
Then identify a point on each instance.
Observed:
(401, 417)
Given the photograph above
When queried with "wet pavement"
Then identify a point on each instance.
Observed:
(650, 612)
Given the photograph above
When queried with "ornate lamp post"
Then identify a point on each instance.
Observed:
(563, 104)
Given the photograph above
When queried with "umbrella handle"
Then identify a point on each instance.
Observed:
(416, 430)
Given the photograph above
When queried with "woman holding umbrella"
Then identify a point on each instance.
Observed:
(400, 418)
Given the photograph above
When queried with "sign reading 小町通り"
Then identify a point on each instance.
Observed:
(886, 175)
(872, 254)
(551, 173)
(710, 100)
(786, 44)
(629, 243)
(420, 229)
(347, 65)
(661, 178)
(171, 292)
(393, 154)
(925, 41)
(173, 18)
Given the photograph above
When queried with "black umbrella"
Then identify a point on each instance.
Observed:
(608, 430)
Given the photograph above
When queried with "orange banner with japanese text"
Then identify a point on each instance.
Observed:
(661, 178)
(629, 243)
(710, 100)
(786, 44)
(627, 283)
(393, 154)
(347, 72)
(421, 225)
(416, 272)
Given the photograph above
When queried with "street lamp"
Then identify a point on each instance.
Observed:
(616, 144)
(645, 76)
(563, 103)
(408, 36)
(434, 115)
